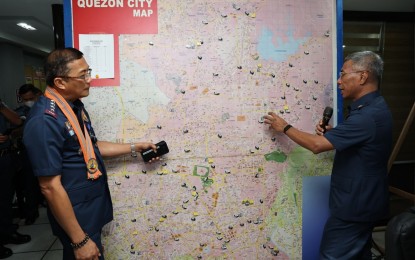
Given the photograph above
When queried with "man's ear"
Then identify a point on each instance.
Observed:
(363, 78)
(59, 83)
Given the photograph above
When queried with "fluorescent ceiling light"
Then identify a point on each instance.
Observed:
(26, 26)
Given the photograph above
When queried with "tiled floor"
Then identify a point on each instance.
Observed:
(43, 246)
(378, 237)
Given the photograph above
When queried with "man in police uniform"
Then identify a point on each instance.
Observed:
(68, 159)
(8, 233)
(29, 94)
(363, 143)
(26, 184)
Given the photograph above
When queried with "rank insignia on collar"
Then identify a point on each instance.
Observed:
(84, 117)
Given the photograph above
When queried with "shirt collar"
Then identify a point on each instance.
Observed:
(76, 104)
(363, 101)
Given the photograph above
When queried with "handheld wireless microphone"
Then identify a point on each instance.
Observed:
(328, 112)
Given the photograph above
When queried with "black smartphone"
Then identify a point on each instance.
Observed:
(149, 154)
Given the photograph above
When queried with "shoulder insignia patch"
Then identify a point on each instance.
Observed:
(51, 108)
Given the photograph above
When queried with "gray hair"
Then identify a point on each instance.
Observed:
(367, 60)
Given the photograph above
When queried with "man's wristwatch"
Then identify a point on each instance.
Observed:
(133, 152)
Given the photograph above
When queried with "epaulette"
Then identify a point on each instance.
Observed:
(51, 108)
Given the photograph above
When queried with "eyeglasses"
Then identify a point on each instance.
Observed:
(342, 73)
(86, 76)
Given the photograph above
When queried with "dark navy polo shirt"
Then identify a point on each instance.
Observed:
(54, 149)
(4, 124)
(22, 110)
(363, 143)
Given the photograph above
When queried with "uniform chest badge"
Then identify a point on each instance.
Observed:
(69, 128)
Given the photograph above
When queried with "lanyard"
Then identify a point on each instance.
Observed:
(87, 148)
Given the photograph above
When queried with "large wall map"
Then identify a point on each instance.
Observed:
(229, 188)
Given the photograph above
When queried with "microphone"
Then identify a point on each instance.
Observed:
(328, 112)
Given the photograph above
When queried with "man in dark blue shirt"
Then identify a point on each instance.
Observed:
(363, 143)
(26, 185)
(67, 158)
(8, 233)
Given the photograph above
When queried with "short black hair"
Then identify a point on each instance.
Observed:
(57, 61)
(28, 88)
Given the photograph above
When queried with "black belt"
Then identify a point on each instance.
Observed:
(4, 151)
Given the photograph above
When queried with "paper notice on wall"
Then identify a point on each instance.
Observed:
(98, 52)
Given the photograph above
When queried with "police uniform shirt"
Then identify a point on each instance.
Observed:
(3, 127)
(363, 142)
(53, 149)
(22, 111)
